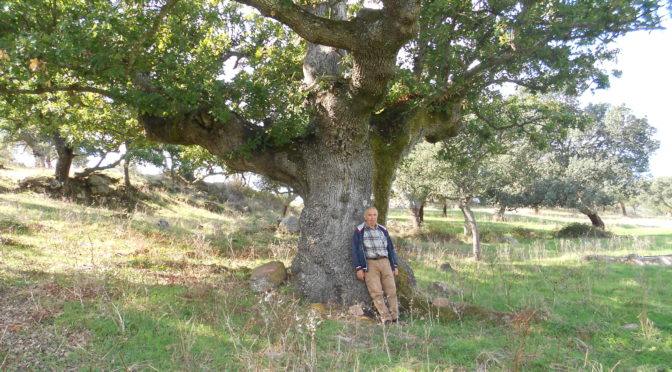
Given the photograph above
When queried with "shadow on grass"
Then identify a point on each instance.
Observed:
(124, 324)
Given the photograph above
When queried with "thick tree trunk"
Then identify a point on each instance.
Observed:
(445, 209)
(417, 209)
(596, 220)
(593, 216)
(65, 157)
(499, 213)
(475, 235)
(339, 192)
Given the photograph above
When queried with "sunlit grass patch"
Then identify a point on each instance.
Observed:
(126, 292)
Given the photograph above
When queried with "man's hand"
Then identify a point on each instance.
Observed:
(396, 272)
(360, 274)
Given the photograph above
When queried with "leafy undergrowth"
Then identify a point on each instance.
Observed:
(88, 288)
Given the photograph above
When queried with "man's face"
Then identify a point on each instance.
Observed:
(371, 217)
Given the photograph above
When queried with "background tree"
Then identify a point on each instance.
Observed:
(475, 163)
(332, 124)
(598, 164)
(286, 193)
(416, 179)
(69, 125)
(657, 193)
(37, 144)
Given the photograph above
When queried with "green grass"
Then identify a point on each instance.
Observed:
(100, 292)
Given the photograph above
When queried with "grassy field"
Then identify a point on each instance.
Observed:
(84, 288)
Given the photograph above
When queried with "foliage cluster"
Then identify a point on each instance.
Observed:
(580, 230)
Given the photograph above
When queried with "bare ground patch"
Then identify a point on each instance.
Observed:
(28, 338)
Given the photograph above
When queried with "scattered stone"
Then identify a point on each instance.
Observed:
(99, 184)
(163, 225)
(343, 339)
(319, 308)
(630, 326)
(444, 288)
(509, 239)
(268, 276)
(446, 267)
(289, 224)
(273, 355)
(356, 310)
(441, 302)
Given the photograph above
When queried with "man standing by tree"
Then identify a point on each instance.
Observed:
(376, 264)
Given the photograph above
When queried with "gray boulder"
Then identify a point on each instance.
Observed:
(444, 288)
(289, 224)
(268, 276)
(99, 184)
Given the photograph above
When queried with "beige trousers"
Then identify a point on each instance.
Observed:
(380, 278)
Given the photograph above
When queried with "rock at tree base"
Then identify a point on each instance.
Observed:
(99, 184)
(289, 224)
(268, 276)
(356, 310)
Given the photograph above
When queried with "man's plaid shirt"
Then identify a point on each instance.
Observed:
(375, 243)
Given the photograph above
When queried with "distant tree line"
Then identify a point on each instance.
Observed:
(536, 151)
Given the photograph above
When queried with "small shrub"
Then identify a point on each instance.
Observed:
(523, 233)
(13, 227)
(580, 230)
(489, 236)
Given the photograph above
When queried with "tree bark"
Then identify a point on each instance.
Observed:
(593, 216)
(65, 157)
(499, 213)
(471, 220)
(596, 220)
(445, 209)
(340, 190)
(417, 209)
(624, 211)
(127, 176)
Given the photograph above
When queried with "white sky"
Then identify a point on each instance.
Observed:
(646, 63)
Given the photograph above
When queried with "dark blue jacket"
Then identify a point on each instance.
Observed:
(358, 256)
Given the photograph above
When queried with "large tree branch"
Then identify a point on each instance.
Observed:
(52, 89)
(235, 141)
(317, 30)
(98, 166)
